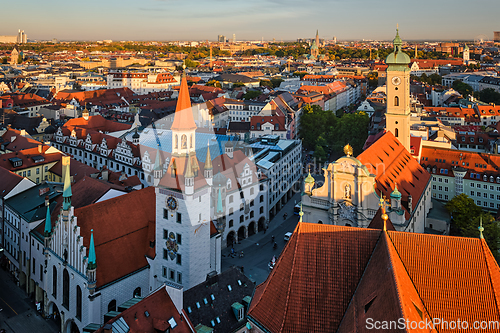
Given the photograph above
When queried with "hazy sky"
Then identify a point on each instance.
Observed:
(249, 19)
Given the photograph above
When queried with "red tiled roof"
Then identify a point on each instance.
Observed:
(448, 159)
(280, 120)
(392, 164)
(151, 315)
(308, 291)
(26, 156)
(20, 142)
(97, 123)
(121, 233)
(9, 181)
(337, 277)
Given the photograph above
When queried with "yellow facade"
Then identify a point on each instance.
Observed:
(39, 173)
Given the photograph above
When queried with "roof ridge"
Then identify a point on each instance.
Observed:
(484, 245)
(285, 312)
(359, 282)
(407, 273)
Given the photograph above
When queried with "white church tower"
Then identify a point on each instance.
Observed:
(398, 93)
(186, 248)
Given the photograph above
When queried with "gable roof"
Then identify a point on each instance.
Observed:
(356, 273)
(393, 165)
(121, 235)
(9, 181)
(152, 314)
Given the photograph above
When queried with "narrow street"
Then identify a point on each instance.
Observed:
(18, 313)
(258, 249)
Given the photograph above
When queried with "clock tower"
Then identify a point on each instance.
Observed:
(398, 93)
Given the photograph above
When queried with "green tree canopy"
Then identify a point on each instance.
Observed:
(466, 217)
(251, 94)
(463, 88)
(489, 95)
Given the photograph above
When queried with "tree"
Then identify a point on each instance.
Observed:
(214, 83)
(489, 95)
(466, 217)
(238, 84)
(265, 83)
(4, 60)
(191, 64)
(276, 82)
(251, 94)
(463, 88)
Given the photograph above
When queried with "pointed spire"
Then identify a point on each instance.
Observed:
(67, 182)
(219, 202)
(48, 223)
(208, 159)
(189, 169)
(92, 259)
(481, 228)
(301, 213)
(183, 117)
(157, 166)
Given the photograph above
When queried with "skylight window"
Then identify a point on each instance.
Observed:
(198, 305)
(189, 309)
(239, 282)
(212, 297)
(172, 322)
(205, 301)
(229, 287)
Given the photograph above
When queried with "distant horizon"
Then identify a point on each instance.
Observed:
(287, 20)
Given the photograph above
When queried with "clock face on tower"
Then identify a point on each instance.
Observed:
(171, 203)
(396, 80)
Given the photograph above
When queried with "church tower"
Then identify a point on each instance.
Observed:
(466, 54)
(398, 93)
(187, 249)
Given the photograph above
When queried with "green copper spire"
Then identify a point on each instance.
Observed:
(67, 182)
(219, 202)
(48, 223)
(92, 259)
(397, 59)
(481, 228)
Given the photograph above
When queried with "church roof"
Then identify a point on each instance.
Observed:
(152, 314)
(378, 223)
(393, 165)
(121, 233)
(183, 118)
(355, 273)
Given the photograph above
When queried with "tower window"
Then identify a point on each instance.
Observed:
(396, 101)
(396, 132)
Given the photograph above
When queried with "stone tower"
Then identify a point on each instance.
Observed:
(398, 93)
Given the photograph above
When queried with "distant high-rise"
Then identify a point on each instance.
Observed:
(496, 36)
(234, 38)
(221, 38)
(334, 39)
(21, 37)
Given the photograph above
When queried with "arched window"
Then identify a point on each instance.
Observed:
(396, 101)
(396, 132)
(66, 289)
(112, 306)
(137, 292)
(78, 303)
(54, 281)
(191, 141)
(183, 141)
(176, 141)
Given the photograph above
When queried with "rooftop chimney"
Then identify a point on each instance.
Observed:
(40, 149)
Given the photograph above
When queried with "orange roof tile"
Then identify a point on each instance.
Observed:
(337, 277)
(121, 233)
(392, 164)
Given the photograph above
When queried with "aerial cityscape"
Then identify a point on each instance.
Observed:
(259, 167)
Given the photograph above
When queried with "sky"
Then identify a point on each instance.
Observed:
(166, 20)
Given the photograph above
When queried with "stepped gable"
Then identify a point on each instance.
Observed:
(393, 165)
